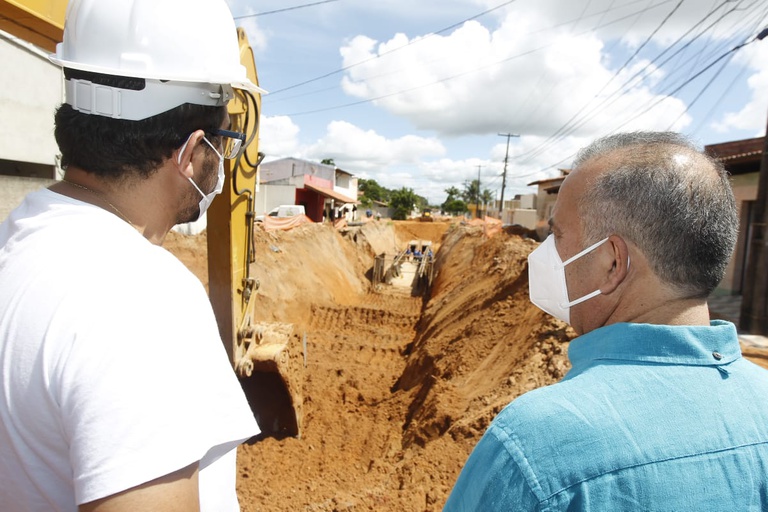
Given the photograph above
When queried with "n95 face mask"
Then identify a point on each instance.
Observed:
(207, 199)
(546, 279)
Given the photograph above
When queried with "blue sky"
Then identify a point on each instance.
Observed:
(414, 93)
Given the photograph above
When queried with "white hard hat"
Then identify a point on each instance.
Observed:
(186, 50)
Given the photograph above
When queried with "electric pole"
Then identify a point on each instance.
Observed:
(477, 212)
(504, 175)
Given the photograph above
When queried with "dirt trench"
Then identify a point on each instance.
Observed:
(397, 389)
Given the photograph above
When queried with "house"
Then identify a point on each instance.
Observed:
(545, 201)
(381, 209)
(521, 211)
(741, 158)
(324, 190)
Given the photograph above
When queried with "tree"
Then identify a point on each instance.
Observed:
(452, 204)
(453, 193)
(486, 197)
(471, 192)
(372, 190)
(328, 161)
(402, 201)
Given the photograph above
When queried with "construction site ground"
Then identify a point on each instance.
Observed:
(397, 388)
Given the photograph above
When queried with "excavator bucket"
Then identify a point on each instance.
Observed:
(271, 370)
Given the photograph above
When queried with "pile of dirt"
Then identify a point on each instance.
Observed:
(192, 251)
(480, 342)
(397, 389)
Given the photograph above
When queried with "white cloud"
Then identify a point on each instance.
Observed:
(278, 136)
(474, 81)
(532, 67)
(366, 150)
(241, 9)
(752, 116)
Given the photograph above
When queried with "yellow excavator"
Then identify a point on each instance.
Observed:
(265, 356)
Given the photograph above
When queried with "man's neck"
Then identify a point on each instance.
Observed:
(138, 202)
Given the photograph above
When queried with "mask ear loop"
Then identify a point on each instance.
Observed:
(181, 152)
(221, 157)
(585, 251)
(574, 258)
(594, 293)
(183, 148)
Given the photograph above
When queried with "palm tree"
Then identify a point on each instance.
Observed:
(486, 197)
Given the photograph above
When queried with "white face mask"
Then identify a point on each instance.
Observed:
(207, 199)
(546, 279)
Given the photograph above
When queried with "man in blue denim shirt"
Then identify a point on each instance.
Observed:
(659, 411)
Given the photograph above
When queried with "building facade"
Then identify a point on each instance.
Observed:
(325, 191)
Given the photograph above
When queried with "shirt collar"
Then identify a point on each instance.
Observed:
(713, 345)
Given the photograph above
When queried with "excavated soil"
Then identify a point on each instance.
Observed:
(397, 389)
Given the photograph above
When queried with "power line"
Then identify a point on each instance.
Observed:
(441, 80)
(760, 36)
(282, 10)
(577, 122)
(378, 56)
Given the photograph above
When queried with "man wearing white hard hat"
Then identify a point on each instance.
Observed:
(115, 390)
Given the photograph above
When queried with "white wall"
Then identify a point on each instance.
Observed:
(13, 189)
(31, 89)
(271, 196)
(346, 185)
(528, 201)
(524, 217)
(285, 168)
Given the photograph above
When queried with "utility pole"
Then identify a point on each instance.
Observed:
(504, 175)
(477, 211)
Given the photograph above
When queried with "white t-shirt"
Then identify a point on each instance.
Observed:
(111, 365)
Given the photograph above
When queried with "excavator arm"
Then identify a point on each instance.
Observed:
(264, 355)
(40, 22)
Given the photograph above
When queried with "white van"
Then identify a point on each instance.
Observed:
(284, 210)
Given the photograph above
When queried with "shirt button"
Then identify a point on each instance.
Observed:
(717, 355)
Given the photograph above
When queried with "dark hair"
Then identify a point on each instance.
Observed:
(672, 201)
(115, 148)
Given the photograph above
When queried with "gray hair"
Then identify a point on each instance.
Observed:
(670, 200)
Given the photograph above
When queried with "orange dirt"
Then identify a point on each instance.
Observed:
(397, 389)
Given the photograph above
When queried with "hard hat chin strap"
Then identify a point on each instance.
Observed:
(156, 97)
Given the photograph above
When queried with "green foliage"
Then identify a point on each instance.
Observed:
(454, 206)
(471, 192)
(487, 197)
(328, 161)
(403, 202)
(372, 190)
(404, 197)
(453, 193)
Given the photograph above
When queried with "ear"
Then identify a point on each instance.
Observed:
(182, 157)
(618, 252)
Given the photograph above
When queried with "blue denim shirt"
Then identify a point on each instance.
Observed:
(649, 418)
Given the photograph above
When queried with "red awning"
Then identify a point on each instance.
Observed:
(327, 192)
